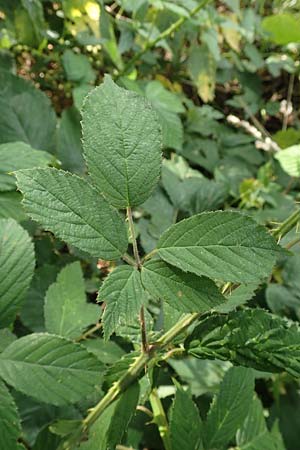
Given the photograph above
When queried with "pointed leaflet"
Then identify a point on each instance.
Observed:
(123, 294)
(251, 337)
(184, 291)
(122, 144)
(10, 425)
(73, 210)
(50, 368)
(225, 245)
(185, 422)
(67, 312)
(229, 408)
(16, 268)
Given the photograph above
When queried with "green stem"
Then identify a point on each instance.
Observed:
(287, 225)
(172, 28)
(139, 266)
(134, 243)
(127, 258)
(160, 419)
(131, 375)
(89, 332)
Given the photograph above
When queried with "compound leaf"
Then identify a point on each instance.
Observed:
(226, 245)
(67, 312)
(184, 291)
(73, 210)
(16, 268)
(50, 368)
(122, 144)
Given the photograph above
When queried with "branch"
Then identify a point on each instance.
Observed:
(130, 376)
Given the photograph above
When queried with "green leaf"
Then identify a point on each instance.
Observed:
(73, 210)
(238, 297)
(26, 114)
(184, 291)
(109, 41)
(10, 206)
(16, 268)
(10, 425)
(185, 422)
(251, 337)
(125, 410)
(109, 429)
(282, 28)
(69, 147)
(254, 434)
(67, 312)
(225, 245)
(77, 67)
(289, 159)
(167, 105)
(201, 375)
(123, 294)
(18, 155)
(229, 408)
(6, 338)
(49, 368)
(254, 424)
(122, 144)
(202, 70)
(32, 312)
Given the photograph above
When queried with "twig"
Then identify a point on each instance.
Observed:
(89, 332)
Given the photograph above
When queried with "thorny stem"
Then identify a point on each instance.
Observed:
(160, 419)
(144, 358)
(139, 266)
(130, 376)
(166, 33)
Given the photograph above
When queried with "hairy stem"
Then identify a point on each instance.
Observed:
(134, 243)
(160, 419)
(139, 265)
(166, 33)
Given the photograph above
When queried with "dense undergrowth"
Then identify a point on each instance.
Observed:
(149, 242)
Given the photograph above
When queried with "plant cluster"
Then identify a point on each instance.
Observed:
(149, 244)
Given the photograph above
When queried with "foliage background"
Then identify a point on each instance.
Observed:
(225, 85)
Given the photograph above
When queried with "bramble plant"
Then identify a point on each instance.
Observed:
(202, 269)
(149, 225)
